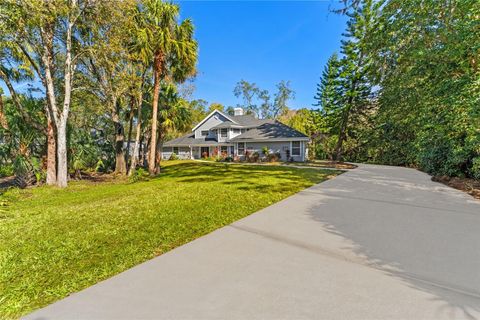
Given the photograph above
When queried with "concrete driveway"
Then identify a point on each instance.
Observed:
(374, 243)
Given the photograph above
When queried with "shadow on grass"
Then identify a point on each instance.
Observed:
(246, 177)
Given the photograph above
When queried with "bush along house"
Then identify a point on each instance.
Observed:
(239, 137)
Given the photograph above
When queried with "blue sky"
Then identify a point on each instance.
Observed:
(262, 42)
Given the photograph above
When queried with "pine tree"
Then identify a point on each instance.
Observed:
(329, 95)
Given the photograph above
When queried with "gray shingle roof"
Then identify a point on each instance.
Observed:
(247, 120)
(189, 140)
(270, 129)
(227, 124)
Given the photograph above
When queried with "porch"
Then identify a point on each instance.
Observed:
(199, 152)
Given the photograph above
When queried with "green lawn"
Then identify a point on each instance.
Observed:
(54, 242)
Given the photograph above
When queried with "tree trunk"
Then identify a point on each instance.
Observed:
(157, 67)
(62, 173)
(120, 165)
(130, 126)
(141, 152)
(51, 152)
(62, 118)
(343, 128)
(341, 136)
(3, 118)
(136, 148)
(146, 148)
(158, 156)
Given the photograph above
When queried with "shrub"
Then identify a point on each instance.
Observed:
(139, 174)
(27, 171)
(265, 151)
(438, 156)
(6, 171)
(228, 159)
(173, 156)
(273, 157)
(475, 170)
(100, 166)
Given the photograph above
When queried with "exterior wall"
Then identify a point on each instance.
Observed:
(183, 153)
(196, 152)
(275, 147)
(220, 138)
(213, 121)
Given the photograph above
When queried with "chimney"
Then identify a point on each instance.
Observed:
(238, 112)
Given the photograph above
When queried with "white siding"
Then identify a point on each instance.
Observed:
(183, 153)
(214, 120)
(220, 138)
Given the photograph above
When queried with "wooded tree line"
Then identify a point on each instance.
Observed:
(404, 89)
(92, 67)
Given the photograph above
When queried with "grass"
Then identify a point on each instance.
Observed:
(325, 164)
(57, 241)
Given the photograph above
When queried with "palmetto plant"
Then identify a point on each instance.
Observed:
(26, 168)
(175, 114)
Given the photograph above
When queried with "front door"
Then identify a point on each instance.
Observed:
(204, 152)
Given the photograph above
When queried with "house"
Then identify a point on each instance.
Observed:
(237, 136)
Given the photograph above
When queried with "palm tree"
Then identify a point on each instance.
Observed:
(171, 46)
(173, 118)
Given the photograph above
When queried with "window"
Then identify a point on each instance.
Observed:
(223, 133)
(175, 150)
(224, 150)
(295, 148)
(236, 130)
(241, 148)
(204, 133)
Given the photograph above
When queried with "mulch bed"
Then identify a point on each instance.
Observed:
(470, 186)
(338, 165)
(6, 182)
(331, 164)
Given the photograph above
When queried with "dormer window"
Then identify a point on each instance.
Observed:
(236, 130)
(223, 133)
(204, 133)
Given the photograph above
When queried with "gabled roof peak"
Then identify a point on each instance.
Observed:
(210, 115)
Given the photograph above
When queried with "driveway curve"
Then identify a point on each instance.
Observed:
(376, 242)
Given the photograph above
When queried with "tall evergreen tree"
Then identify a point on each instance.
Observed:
(329, 94)
(344, 92)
